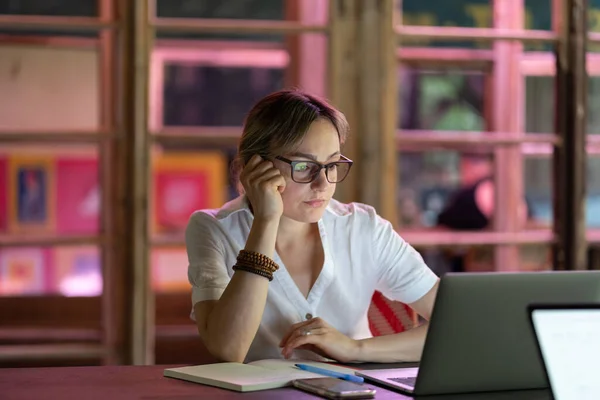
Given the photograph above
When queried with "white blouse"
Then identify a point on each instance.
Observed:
(363, 253)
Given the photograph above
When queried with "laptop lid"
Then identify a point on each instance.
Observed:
(568, 338)
(480, 338)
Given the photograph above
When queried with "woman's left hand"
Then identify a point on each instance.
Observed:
(318, 336)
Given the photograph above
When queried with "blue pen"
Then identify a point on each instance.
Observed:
(334, 374)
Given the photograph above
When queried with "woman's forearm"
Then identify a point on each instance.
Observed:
(400, 347)
(235, 318)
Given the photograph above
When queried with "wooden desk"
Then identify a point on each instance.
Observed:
(147, 382)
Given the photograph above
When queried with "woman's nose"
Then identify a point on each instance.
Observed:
(320, 181)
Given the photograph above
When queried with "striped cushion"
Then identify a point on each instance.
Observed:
(387, 316)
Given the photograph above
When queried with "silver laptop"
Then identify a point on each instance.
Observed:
(479, 336)
(568, 338)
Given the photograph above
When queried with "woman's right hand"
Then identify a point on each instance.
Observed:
(263, 184)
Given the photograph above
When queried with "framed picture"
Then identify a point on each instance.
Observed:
(77, 195)
(31, 194)
(3, 194)
(77, 271)
(169, 269)
(184, 183)
(23, 271)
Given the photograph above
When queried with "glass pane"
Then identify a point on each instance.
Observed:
(539, 104)
(538, 189)
(66, 271)
(214, 96)
(75, 8)
(463, 13)
(215, 83)
(49, 191)
(537, 181)
(442, 99)
(481, 258)
(429, 182)
(224, 9)
(231, 9)
(48, 89)
(593, 192)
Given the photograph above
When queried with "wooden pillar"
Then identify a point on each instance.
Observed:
(342, 76)
(135, 153)
(570, 251)
(377, 94)
(114, 334)
(508, 171)
(363, 76)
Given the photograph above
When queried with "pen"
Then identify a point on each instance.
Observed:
(334, 374)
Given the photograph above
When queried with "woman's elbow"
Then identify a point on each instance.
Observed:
(226, 353)
(221, 348)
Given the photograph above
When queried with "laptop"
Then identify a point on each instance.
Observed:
(479, 336)
(568, 338)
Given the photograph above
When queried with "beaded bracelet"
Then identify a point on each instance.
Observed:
(253, 258)
(257, 263)
(256, 271)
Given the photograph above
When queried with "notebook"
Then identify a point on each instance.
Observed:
(257, 375)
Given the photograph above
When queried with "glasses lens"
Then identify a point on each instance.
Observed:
(337, 172)
(304, 171)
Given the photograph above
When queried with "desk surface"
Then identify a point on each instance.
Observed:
(147, 382)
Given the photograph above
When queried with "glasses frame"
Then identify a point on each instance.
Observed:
(293, 163)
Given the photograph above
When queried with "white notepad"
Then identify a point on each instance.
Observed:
(257, 375)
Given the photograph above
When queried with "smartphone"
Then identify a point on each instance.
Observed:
(333, 388)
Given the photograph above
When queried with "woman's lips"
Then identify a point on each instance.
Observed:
(315, 203)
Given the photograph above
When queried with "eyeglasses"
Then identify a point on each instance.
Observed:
(308, 171)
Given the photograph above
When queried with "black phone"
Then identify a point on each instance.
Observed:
(334, 388)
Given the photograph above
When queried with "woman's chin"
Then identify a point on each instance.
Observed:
(307, 216)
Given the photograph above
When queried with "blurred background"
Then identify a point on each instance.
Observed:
(118, 119)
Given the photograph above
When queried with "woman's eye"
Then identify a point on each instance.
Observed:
(301, 167)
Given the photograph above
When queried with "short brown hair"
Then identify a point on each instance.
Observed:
(277, 124)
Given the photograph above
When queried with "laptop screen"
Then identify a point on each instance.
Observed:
(569, 341)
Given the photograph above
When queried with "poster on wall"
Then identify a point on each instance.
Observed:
(3, 194)
(183, 183)
(31, 194)
(77, 196)
(77, 271)
(23, 271)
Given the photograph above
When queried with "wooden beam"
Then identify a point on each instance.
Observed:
(408, 33)
(388, 112)
(342, 77)
(63, 24)
(268, 27)
(56, 137)
(377, 106)
(12, 240)
(570, 22)
(369, 104)
(134, 156)
(51, 351)
(508, 168)
(432, 238)
(457, 238)
(471, 138)
(114, 336)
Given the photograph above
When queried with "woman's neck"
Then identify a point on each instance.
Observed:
(291, 231)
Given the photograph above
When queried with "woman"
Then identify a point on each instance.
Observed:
(285, 270)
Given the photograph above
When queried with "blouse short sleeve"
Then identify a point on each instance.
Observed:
(403, 274)
(207, 270)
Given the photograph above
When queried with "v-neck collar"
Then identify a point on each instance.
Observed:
(323, 281)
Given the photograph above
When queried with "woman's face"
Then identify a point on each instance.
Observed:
(306, 202)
